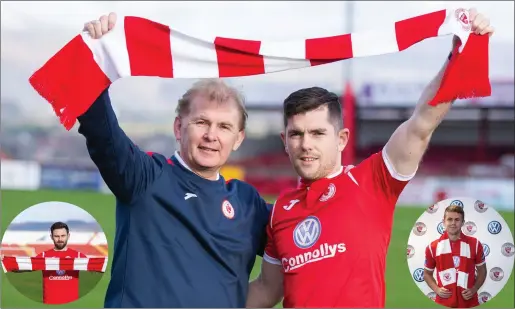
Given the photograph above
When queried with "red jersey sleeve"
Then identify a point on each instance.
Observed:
(271, 255)
(480, 254)
(377, 176)
(430, 262)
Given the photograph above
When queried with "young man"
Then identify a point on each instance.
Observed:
(184, 236)
(328, 239)
(456, 257)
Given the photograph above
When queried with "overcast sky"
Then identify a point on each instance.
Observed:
(33, 31)
(53, 211)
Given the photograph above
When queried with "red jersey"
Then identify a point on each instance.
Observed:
(476, 254)
(60, 286)
(331, 236)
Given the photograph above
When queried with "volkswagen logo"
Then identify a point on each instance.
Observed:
(307, 232)
(496, 274)
(486, 250)
(456, 203)
(480, 207)
(418, 275)
(60, 272)
(508, 249)
(440, 228)
(494, 227)
(484, 297)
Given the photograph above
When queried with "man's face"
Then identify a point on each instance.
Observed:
(453, 222)
(60, 238)
(313, 144)
(209, 132)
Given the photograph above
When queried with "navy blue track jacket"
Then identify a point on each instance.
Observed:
(174, 245)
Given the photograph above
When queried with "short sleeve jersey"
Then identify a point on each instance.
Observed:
(478, 253)
(60, 286)
(331, 236)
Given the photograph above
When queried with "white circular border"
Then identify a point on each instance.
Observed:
(481, 219)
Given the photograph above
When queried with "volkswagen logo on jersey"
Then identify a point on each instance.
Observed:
(410, 252)
(418, 275)
(469, 228)
(60, 272)
(440, 228)
(419, 229)
(331, 190)
(486, 250)
(431, 295)
(496, 274)
(508, 249)
(307, 232)
(494, 227)
(456, 203)
(483, 297)
(479, 206)
(432, 209)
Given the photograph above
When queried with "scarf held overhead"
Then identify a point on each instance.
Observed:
(76, 75)
(16, 263)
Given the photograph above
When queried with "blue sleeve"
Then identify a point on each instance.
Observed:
(126, 169)
(264, 214)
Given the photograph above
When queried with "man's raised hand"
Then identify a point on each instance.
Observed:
(97, 28)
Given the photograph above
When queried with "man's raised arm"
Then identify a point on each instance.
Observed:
(123, 166)
(409, 142)
(126, 169)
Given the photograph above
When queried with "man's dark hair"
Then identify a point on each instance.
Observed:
(309, 99)
(59, 225)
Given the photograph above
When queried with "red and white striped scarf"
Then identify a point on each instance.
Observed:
(15, 263)
(455, 273)
(74, 77)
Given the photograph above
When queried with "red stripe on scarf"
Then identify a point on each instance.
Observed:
(70, 81)
(238, 57)
(416, 29)
(96, 264)
(148, 44)
(10, 263)
(329, 49)
(467, 74)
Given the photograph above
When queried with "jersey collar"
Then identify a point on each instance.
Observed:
(181, 161)
(307, 183)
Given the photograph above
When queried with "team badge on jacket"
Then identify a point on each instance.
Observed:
(228, 210)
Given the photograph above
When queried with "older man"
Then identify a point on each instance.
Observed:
(184, 236)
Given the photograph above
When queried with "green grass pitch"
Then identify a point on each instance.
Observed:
(401, 290)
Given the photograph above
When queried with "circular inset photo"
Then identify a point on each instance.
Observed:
(460, 252)
(54, 253)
